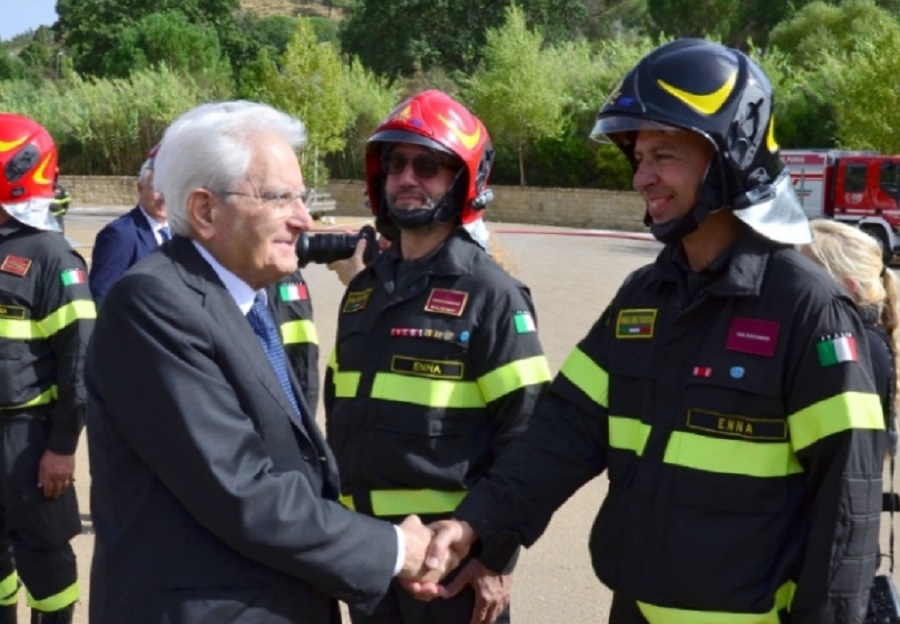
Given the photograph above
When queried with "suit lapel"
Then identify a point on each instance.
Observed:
(221, 306)
(144, 231)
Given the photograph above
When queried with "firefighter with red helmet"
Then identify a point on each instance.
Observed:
(46, 317)
(726, 390)
(437, 363)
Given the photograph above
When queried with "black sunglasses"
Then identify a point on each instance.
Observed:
(425, 166)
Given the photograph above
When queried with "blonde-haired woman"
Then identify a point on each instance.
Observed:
(854, 259)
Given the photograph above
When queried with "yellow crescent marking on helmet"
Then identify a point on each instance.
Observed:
(469, 140)
(770, 137)
(39, 174)
(706, 104)
(8, 146)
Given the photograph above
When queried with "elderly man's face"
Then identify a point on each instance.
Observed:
(150, 200)
(251, 236)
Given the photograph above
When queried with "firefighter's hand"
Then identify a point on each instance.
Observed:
(56, 473)
(452, 540)
(348, 268)
(416, 567)
(492, 591)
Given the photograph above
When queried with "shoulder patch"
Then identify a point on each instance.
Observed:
(71, 277)
(16, 265)
(636, 323)
(357, 301)
(836, 349)
(524, 322)
(293, 291)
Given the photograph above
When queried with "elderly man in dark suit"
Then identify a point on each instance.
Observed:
(126, 239)
(213, 494)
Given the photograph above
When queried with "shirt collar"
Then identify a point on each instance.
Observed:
(154, 224)
(239, 290)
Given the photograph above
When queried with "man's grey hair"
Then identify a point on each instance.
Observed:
(210, 147)
(146, 170)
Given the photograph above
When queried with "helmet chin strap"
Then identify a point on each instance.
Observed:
(709, 200)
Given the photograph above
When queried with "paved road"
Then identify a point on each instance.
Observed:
(571, 278)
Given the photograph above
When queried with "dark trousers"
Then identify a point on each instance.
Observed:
(34, 530)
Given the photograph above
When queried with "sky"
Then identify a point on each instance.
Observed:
(17, 16)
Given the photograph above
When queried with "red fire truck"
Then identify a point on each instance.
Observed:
(859, 188)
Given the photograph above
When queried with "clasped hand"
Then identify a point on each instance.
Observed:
(435, 550)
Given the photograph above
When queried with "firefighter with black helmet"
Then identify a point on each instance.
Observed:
(725, 390)
(46, 317)
(437, 363)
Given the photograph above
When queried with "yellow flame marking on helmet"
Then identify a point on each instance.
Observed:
(8, 146)
(771, 144)
(403, 113)
(469, 140)
(706, 104)
(39, 174)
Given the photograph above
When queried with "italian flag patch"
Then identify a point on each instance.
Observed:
(71, 277)
(836, 349)
(524, 323)
(293, 292)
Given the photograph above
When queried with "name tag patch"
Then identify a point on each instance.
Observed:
(635, 323)
(12, 312)
(357, 301)
(16, 265)
(737, 426)
(754, 336)
(445, 301)
(437, 369)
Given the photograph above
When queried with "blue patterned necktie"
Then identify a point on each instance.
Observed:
(265, 330)
(164, 233)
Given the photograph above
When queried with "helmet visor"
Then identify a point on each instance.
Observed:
(614, 128)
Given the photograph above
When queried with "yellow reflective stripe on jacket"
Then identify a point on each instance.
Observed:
(628, 434)
(9, 590)
(663, 615)
(426, 391)
(299, 332)
(848, 410)
(590, 378)
(15, 329)
(405, 502)
(47, 396)
(57, 601)
(731, 456)
(513, 376)
(345, 384)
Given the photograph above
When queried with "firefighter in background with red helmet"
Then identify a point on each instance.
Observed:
(46, 318)
(437, 363)
(726, 389)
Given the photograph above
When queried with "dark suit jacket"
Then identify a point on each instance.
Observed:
(208, 502)
(122, 242)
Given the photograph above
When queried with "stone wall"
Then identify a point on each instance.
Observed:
(579, 208)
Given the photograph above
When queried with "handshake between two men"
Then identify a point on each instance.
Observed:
(434, 551)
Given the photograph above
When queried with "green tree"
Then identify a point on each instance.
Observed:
(864, 88)
(693, 18)
(307, 83)
(369, 99)
(90, 29)
(169, 38)
(392, 36)
(517, 91)
(11, 66)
